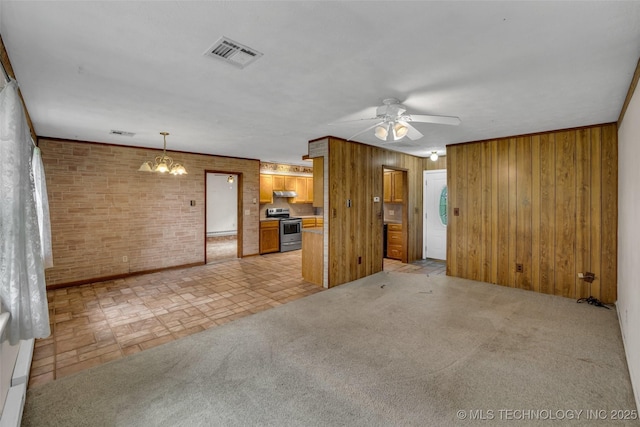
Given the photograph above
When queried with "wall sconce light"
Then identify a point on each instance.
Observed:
(434, 156)
(230, 179)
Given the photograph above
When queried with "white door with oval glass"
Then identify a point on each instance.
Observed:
(435, 209)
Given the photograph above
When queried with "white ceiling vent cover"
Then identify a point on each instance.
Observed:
(121, 133)
(233, 52)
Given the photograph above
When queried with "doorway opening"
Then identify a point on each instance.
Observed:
(395, 218)
(222, 221)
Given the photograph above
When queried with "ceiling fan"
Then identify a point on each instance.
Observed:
(392, 122)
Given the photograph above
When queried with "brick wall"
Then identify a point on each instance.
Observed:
(103, 209)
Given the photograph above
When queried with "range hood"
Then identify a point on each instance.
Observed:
(285, 194)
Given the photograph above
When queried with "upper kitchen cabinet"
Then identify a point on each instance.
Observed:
(301, 190)
(266, 188)
(318, 182)
(309, 189)
(393, 187)
(304, 189)
(290, 183)
(278, 183)
(302, 185)
(397, 185)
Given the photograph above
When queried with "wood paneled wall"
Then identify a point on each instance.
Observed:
(356, 232)
(102, 209)
(430, 165)
(546, 201)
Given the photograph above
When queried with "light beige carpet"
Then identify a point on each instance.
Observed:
(392, 349)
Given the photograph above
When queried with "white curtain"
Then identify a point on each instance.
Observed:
(42, 206)
(22, 284)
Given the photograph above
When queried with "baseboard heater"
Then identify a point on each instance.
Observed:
(15, 364)
(222, 233)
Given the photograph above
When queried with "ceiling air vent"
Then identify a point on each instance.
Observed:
(121, 133)
(233, 52)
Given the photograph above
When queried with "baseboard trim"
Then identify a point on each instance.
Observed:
(120, 276)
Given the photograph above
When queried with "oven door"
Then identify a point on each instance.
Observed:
(290, 235)
(290, 227)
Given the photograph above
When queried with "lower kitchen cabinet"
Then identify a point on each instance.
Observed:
(395, 246)
(269, 237)
(308, 222)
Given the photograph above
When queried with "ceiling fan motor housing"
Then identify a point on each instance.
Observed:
(391, 109)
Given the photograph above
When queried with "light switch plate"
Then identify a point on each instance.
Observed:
(247, 212)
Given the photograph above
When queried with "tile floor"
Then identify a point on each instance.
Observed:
(96, 323)
(221, 248)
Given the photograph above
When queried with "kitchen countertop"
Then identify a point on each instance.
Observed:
(392, 221)
(314, 230)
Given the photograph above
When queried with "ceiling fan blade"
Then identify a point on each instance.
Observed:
(343, 122)
(363, 131)
(413, 133)
(441, 120)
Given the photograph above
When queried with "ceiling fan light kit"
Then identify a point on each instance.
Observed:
(393, 122)
(399, 131)
(163, 163)
(382, 132)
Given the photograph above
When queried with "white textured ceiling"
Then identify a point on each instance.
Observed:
(505, 68)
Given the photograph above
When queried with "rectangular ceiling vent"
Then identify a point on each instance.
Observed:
(121, 133)
(233, 52)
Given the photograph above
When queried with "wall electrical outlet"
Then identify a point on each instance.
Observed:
(392, 212)
(125, 259)
(519, 268)
(247, 212)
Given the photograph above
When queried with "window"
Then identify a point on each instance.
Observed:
(443, 206)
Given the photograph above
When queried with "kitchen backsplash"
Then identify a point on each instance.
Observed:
(392, 211)
(296, 209)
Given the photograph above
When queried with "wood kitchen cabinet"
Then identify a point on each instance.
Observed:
(308, 222)
(266, 188)
(395, 241)
(301, 190)
(304, 190)
(386, 187)
(278, 183)
(397, 186)
(290, 183)
(309, 189)
(393, 187)
(318, 182)
(269, 237)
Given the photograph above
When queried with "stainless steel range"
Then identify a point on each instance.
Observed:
(290, 229)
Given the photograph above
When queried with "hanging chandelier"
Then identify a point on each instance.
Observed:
(163, 163)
